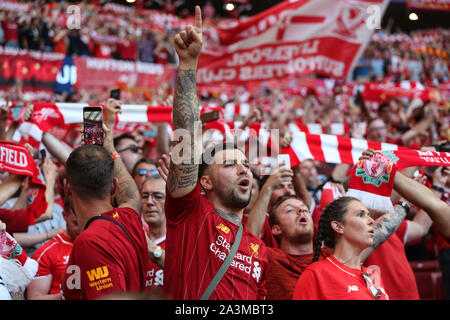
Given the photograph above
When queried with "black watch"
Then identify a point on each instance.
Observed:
(404, 205)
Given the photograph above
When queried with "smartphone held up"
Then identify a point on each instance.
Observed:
(93, 125)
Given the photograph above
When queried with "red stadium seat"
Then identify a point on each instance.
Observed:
(429, 279)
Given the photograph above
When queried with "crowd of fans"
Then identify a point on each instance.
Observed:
(421, 58)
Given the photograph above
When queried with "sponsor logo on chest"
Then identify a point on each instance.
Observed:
(242, 262)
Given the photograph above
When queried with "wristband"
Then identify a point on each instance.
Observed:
(404, 205)
(115, 156)
(440, 189)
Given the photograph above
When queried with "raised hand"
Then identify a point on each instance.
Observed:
(188, 42)
(112, 107)
(164, 164)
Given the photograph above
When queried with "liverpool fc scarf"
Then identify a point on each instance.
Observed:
(372, 179)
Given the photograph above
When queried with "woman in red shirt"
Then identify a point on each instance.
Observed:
(345, 226)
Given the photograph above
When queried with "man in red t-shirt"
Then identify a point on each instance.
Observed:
(201, 229)
(153, 194)
(110, 255)
(53, 257)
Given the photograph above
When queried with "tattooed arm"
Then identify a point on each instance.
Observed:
(127, 193)
(424, 198)
(183, 171)
(384, 229)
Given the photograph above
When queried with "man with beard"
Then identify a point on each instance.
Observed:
(201, 229)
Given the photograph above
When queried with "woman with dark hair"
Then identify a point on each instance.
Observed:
(346, 227)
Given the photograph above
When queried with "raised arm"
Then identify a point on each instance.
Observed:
(257, 215)
(183, 175)
(58, 149)
(425, 199)
(9, 187)
(127, 193)
(385, 228)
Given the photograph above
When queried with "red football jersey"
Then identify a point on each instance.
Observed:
(155, 275)
(284, 271)
(53, 257)
(105, 258)
(198, 241)
(331, 280)
(391, 261)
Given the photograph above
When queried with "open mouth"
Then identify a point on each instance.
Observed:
(302, 220)
(244, 184)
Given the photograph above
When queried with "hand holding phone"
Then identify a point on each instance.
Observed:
(93, 125)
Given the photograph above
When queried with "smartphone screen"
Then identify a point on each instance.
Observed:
(93, 130)
(284, 158)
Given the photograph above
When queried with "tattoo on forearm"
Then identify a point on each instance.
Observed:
(185, 105)
(385, 229)
(388, 226)
(126, 187)
(185, 115)
(181, 176)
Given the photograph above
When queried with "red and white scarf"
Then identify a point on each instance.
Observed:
(15, 158)
(372, 179)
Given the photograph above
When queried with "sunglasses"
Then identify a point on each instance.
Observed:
(376, 292)
(144, 172)
(134, 148)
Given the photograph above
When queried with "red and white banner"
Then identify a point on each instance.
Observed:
(380, 92)
(330, 148)
(443, 5)
(293, 38)
(94, 72)
(47, 116)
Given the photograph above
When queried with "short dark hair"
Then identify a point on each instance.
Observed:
(211, 151)
(119, 138)
(272, 217)
(90, 171)
(142, 160)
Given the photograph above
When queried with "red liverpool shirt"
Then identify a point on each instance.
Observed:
(155, 275)
(331, 280)
(198, 241)
(105, 258)
(53, 257)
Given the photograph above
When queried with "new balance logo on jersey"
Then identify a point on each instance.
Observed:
(352, 288)
(256, 271)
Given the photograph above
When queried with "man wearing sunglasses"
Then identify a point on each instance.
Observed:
(128, 149)
(144, 168)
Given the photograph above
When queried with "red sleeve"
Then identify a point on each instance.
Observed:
(307, 287)
(179, 208)
(42, 256)
(16, 220)
(402, 230)
(100, 272)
